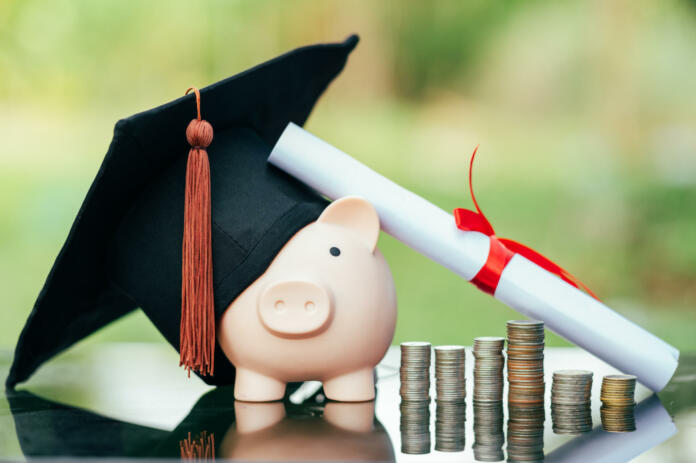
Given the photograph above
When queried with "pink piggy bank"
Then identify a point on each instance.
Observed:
(325, 310)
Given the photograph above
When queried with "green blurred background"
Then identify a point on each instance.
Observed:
(585, 111)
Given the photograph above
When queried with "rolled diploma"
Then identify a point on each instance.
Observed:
(523, 285)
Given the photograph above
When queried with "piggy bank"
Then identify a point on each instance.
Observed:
(324, 310)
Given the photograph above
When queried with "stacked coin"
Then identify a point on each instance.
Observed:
(415, 397)
(449, 373)
(488, 369)
(415, 427)
(415, 371)
(525, 362)
(525, 368)
(570, 401)
(450, 383)
(618, 403)
(488, 431)
(525, 432)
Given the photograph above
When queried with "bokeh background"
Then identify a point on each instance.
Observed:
(585, 112)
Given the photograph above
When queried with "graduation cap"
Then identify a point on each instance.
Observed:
(179, 221)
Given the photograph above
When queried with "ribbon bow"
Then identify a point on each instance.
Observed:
(501, 249)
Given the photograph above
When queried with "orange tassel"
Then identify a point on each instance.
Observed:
(197, 333)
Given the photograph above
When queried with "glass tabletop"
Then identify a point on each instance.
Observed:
(130, 401)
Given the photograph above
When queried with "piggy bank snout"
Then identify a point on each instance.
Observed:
(295, 308)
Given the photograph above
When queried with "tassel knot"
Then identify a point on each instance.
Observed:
(199, 133)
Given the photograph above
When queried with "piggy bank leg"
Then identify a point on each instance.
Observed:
(250, 386)
(357, 386)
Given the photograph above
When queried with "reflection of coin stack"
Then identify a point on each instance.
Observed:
(618, 403)
(570, 401)
(525, 366)
(525, 432)
(450, 413)
(488, 431)
(415, 397)
(415, 427)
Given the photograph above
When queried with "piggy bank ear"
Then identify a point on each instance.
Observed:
(356, 214)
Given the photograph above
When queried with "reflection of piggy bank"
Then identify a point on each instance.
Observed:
(325, 309)
(343, 432)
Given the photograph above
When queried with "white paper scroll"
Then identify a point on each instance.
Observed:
(524, 286)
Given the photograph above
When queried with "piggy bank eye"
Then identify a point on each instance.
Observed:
(335, 251)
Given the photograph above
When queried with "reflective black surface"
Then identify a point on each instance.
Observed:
(78, 407)
(217, 426)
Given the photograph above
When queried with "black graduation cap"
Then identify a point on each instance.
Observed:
(125, 247)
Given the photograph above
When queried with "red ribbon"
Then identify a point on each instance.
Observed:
(501, 249)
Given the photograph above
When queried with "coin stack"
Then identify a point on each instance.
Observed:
(415, 397)
(450, 414)
(415, 371)
(488, 369)
(570, 401)
(488, 431)
(618, 403)
(525, 367)
(449, 373)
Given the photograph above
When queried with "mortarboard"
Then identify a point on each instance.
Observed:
(124, 249)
